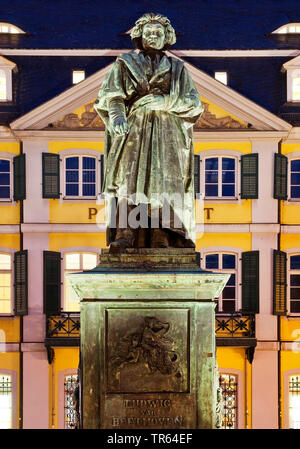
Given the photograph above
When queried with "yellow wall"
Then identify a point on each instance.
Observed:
(11, 327)
(242, 241)
(61, 241)
(11, 241)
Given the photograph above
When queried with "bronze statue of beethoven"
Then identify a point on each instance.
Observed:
(149, 105)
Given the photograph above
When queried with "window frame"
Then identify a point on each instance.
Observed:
(11, 254)
(286, 378)
(289, 272)
(11, 179)
(220, 153)
(61, 394)
(240, 416)
(237, 271)
(14, 392)
(80, 181)
(289, 184)
(64, 253)
(84, 152)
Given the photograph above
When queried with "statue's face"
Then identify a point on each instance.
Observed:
(153, 36)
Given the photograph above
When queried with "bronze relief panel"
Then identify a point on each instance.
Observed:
(147, 350)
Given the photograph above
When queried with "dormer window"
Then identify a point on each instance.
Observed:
(9, 28)
(6, 69)
(292, 68)
(289, 28)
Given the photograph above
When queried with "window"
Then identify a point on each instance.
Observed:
(229, 385)
(295, 178)
(5, 179)
(220, 177)
(77, 76)
(11, 29)
(294, 402)
(3, 87)
(75, 262)
(71, 398)
(5, 283)
(80, 177)
(221, 76)
(294, 281)
(225, 262)
(288, 29)
(5, 402)
(296, 88)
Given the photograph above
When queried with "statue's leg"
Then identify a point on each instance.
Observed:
(125, 237)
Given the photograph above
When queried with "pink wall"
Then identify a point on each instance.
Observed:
(264, 390)
(36, 390)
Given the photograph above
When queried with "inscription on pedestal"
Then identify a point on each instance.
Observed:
(172, 411)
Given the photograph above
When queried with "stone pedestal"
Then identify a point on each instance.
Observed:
(148, 341)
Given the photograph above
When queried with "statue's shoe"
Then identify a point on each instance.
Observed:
(119, 246)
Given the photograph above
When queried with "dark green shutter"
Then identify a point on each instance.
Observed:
(280, 176)
(101, 172)
(250, 282)
(51, 187)
(249, 176)
(52, 283)
(197, 174)
(21, 282)
(19, 178)
(279, 282)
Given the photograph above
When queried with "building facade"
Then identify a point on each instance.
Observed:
(247, 196)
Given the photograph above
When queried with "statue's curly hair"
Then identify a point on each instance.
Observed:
(137, 30)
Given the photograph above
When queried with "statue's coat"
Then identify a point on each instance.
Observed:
(156, 157)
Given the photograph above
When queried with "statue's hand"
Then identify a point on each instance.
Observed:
(153, 102)
(120, 126)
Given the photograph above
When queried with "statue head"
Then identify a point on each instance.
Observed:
(153, 31)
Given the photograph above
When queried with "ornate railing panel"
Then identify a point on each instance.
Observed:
(66, 325)
(235, 326)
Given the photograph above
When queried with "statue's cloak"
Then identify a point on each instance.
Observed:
(155, 160)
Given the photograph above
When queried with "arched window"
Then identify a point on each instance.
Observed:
(9, 28)
(294, 401)
(289, 28)
(227, 301)
(74, 262)
(5, 174)
(220, 177)
(6, 401)
(229, 385)
(294, 284)
(5, 283)
(295, 178)
(80, 177)
(71, 398)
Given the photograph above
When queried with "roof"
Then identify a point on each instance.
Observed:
(213, 24)
(40, 78)
(259, 79)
